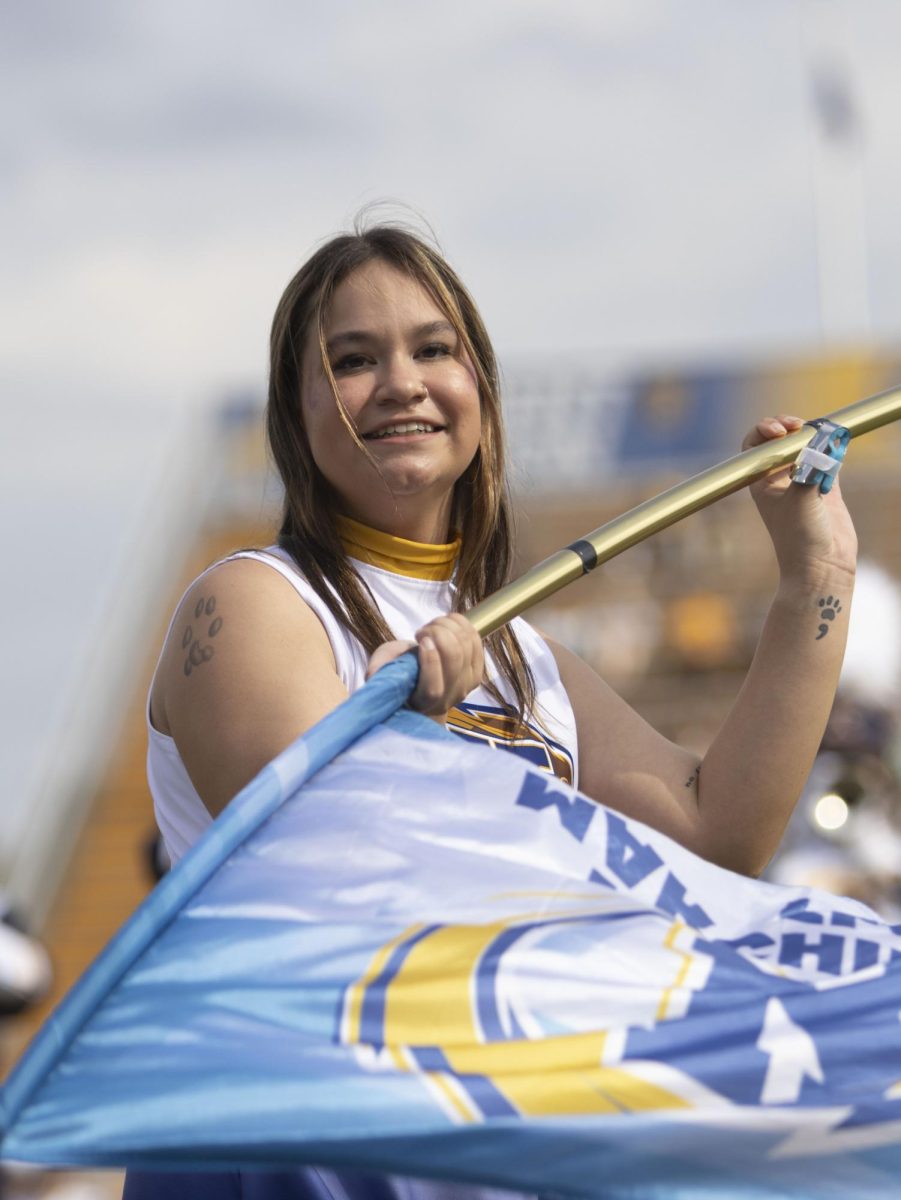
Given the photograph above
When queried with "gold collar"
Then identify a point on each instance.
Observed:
(417, 560)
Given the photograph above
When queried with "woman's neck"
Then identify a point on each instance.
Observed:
(415, 518)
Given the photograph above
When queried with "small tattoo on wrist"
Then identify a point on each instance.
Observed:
(830, 607)
(694, 776)
(198, 654)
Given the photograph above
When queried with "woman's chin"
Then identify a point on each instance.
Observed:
(416, 480)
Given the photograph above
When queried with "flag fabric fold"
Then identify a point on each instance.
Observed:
(403, 952)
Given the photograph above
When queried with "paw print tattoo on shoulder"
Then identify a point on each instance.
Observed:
(197, 652)
(830, 607)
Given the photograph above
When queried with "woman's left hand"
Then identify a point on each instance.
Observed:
(451, 663)
(812, 533)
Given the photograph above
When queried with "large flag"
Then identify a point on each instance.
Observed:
(465, 970)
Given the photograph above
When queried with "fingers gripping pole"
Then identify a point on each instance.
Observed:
(664, 510)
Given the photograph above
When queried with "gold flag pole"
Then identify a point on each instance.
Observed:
(666, 509)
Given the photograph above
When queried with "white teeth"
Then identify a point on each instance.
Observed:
(408, 427)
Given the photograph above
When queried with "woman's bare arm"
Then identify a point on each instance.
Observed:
(265, 676)
(732, 808)
(247, 668)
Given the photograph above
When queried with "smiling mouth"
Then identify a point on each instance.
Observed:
(401, 429)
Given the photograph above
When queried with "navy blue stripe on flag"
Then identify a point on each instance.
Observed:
(486, 991)
(479, 1088)
(372, 1011)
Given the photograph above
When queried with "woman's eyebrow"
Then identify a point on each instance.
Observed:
(352, 335)
(355, 336)
(433, 327)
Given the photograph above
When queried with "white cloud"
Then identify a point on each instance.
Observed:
(621, 177)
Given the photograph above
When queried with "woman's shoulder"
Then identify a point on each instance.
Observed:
(247, 608)
(251, 584)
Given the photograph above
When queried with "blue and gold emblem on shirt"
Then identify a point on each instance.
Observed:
(499, 729)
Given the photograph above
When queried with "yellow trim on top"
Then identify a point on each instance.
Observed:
(416, 560)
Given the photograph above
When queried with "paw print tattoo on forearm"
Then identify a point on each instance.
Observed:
(830, 607)
(197, 652)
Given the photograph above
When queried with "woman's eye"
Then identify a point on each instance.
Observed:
(435, 350)
(350, 362)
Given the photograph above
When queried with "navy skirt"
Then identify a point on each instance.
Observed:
(308, 1183)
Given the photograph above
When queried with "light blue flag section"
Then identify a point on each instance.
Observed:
(429, 958)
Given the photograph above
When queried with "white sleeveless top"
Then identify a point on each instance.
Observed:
(407, 603)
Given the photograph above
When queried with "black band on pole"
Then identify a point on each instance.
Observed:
(586, 552)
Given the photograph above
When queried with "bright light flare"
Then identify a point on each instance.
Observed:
(830, 812)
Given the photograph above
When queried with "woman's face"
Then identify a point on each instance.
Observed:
(409, 390)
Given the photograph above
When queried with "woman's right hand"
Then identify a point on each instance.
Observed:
(451, 663)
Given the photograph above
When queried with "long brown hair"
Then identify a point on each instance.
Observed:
(481, 510)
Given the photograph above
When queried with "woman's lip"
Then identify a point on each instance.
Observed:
(375, 436)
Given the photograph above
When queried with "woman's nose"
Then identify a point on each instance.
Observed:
(401, 382)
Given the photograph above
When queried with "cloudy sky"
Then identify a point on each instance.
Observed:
(619, 181)
(614, 178)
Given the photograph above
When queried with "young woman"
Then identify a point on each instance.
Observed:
(384, 421)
